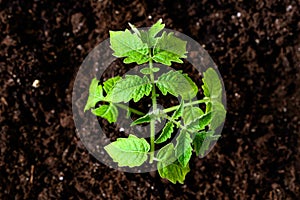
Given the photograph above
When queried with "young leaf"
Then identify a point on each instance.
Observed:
(109, 84)
(205, 89)
(200, 122)
(129, 45)
(146, 71)
(155, 29)
(211, 85)
(149, 70)
(194, 89)
(109, 112)
(131, 151)
(134, 29)
(218, 115)
(183, 148)
(173, 172)
(95, 94)
(167, 154)
(175, 83)
(169, 48)
(144, 119)
(208, 107)
(198, 140)
(132, 87)
(179, 111)
(149, 37)
(190, 114)
(166, 133)
(168, 167)
(204, 120)
(202, 141)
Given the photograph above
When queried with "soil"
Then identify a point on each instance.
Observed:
(256, 45)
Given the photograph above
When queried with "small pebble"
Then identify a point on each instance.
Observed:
(289, 8)
(61, 178)
(36, 83)
(121, 129)
(79, 47)
(238, 14)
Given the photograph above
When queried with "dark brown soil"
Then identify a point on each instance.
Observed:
(256, 45)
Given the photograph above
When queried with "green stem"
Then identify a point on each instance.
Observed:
(177, 123)
(152, 123)
(130, 109)
(186, 104)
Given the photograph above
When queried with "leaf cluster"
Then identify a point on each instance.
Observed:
(196, 127)
(143, 46)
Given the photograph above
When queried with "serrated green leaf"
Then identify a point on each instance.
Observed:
(149, 36)
(95, 94)
(129, 45)
(200, 122)
(183, 148)
(149, 70)
(166, 133)
(168, 167)
(132, 87)
(179, 111)
(109, 84)
(218, 115)
(109, 112)
(198, 140)
(204, 120)
(202, 141)
(194, 89)
(173, 172)
(205, 89)
(167, 154)
(213, 89)
(131, 151)
(190, 114)
(156, 28)
(169, 48)
(212, 86)
(144, 119)
(176, 83)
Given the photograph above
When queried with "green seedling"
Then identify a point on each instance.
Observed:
(196, 127)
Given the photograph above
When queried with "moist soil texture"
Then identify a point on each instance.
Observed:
(255, 44)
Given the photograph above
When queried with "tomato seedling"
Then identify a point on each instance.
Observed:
(196, 126)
